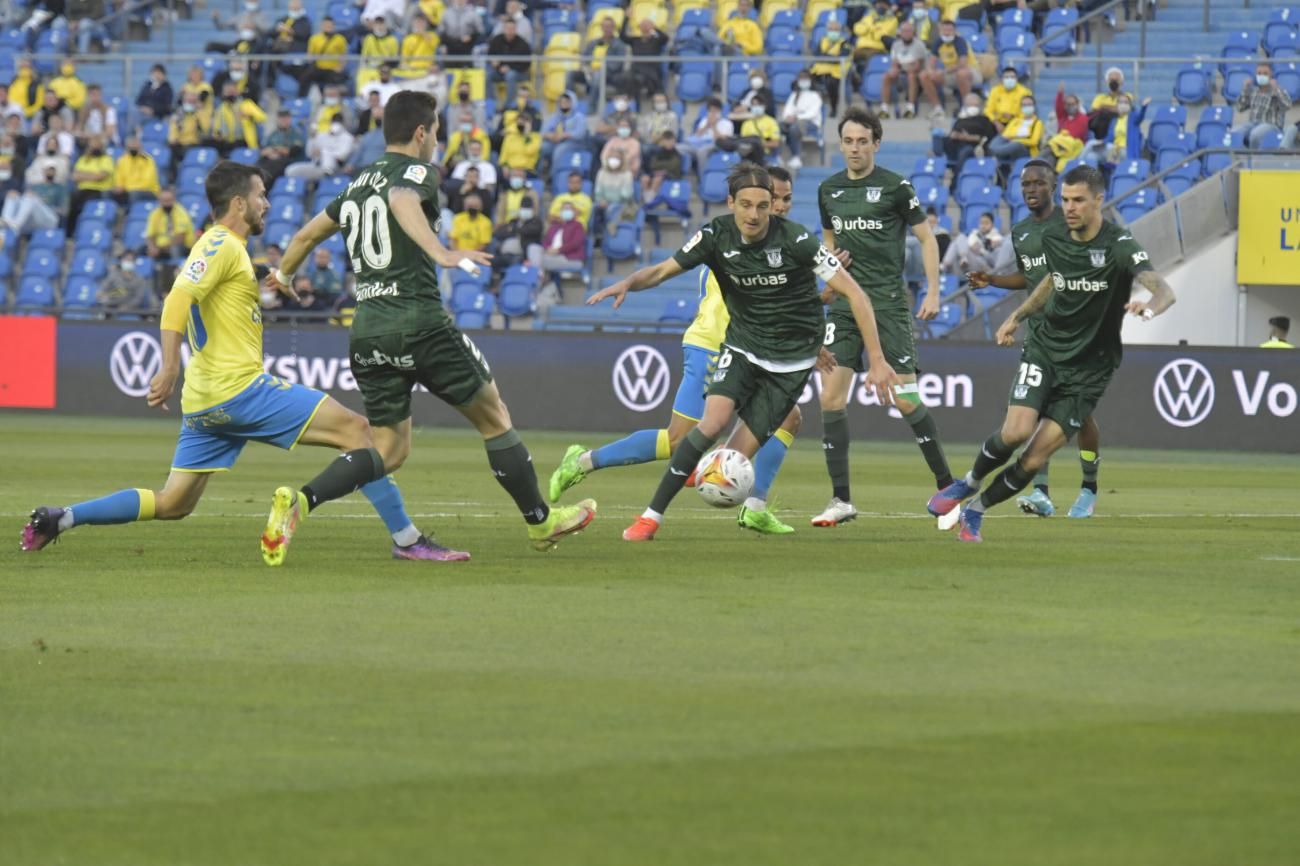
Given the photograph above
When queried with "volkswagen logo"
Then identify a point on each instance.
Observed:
(641, 378)
(135, 359)
(1184, 392)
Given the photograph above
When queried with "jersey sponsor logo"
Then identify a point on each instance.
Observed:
(763, 280)
(195, 270)
(873, 193)
(839, 226)
(366, 291)
(1097, 257)
(1140, 256)
(731, 254)
(415, 173)
(135, 359)
(1184, 392)
(641, 378)
(1061, 284)
(1034, 262)
(695, 239)
(773, 258)
(379, 359)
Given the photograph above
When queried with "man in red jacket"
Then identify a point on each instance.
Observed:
(565, 246)
(1070, 117)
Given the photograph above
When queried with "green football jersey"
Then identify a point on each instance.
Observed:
(1031, 261)
(397, 283)
(1093, 281)
(769, 287)
(870, 217)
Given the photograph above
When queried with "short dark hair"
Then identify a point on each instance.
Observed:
(779, 172)
(1282, 323)
(1039, 163)
(574, 174)
(745, 175)
(862, 117)
(407, 111)
(158, 67)
(227, 181)
(714, 102)
(325, 18)
(989, 214)
(1086, 174)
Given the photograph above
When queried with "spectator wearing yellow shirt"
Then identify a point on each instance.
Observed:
(575, 198)
(93, 175)
(1019, 138)
(136, 174)
(234, 121)
(743, 32)
(195, 83)
(471, 229)
(26, 90)
(168, 236)
(760, 134)
(418, 50)
(70, 88)
(521, 147)
(432, 11)
(1105, 105)
(1004, 101)
(322, 72)
(379, 45)
(189, 127)
(826, 75)
(950, 64)
(875, 32)
(465, 132)
(514, 191)
(951, 10)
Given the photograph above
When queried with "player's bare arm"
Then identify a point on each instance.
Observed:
(1014, 281)
(1006, 335)
(880, 376)
(845, 257)
(407, 208)
(172, 324)
(646, 278)
(930, 258)
(1162, 296)
(307, 238)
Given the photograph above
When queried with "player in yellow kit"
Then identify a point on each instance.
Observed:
(228, 400)
(700, 347)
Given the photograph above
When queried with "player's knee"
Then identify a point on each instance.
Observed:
(357, 432)
(710, 427)
(172, 508)
(1015, 432)
(1032, 461)
(834, 402)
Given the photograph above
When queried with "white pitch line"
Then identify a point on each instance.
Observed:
(1280, 558)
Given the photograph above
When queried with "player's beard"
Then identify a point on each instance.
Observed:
(256, 222)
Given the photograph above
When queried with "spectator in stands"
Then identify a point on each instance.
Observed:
(618, 113)
(327, 152)
(876, 32)
(508, 43)
(419, 51)
(123, 288)
(461, 29)
(712, 128)
(135, 176)
(292, 32)
(250, 17)
(828, 74)
(189, 127)
(971, 129)
(51, 108)
(522, 105)
(650, 41)
(1266, 104)
(907, 57)
(370, 116)
(474, 158)
(378, 46)
(45, 202)
(70, 88)
(1019, 138)
(516, 11)
(951, 64)
(234, 121)
(283, 146)
(83, 27)
(1124, 138)
(96, 117)
(333, 104)
(459, 191)
(93, 175)
(11, 166)
(155, 98)
(328, 41)
(1278, 328)
(515, 189)
(326, 282)
(575, 198)
(625, 142)
(759, 88)
(666, 163)
(390, 10)
(652, 124)
(741, 32)
(972, 10)
(464, 102)
(57, 131)
(471, 229)
(521, 148)
(459, 139)
(385, 85)
(26, 92)
(607, 47)
(238, 72)
(564, 248)
(24, 147)
(308, 301)
(1006, 98)
(1072, 128)
(370, 145)
(760, 135)
(195, 83)
(615, 190)
(565, 126)
(913, 259)
(168, 236)
(802, 115)
(977, 251)
(519, 237)
(7, 107)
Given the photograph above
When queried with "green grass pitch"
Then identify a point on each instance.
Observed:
(1124, 690)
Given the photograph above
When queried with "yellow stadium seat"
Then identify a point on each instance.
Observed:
(815, 8)
(564, 42)
(723, 11)
(652, 9)
(554, 77)
(680, 7)
(615, 12)
(475, 78)
(771, 7)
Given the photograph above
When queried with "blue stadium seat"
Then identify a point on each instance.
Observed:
(199, 157)
(212, 65)
(679, 311)
(790, 43)
(101, 209)
(48, 239)
(873, 78)
(79, 294)
(197, 207)
(1287, 76)
(34, 293)
(698, 17)
(153, 132)
(1235, 79)
(191, 181)
(476, 319)
(88, 263)
(936, 197)
(1192, 86)
(1014, 39)
(622, 242)
(1060, 41)
(516, 299)
(924, 183)
(695, 83)
(133, 233)
(94, 234)
(978, 201)
(141, 209)
(280, 233)
(286, 209)
(244, 156)
(293, 186)
(713, 179)
(1210, 132)
(559, 20)
(1281, 42)
(161, 153)
(1022, 19)
(1136, 168)
(1120, 184)
(464, 294)
(934, 166)
(1271, 140)
(1165, 121)
(334, 184)
(1241, 43)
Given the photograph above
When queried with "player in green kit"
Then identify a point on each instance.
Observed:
(401, 335)
(767, 268)
(1072, 356)
(1038, 184)
(866, 210)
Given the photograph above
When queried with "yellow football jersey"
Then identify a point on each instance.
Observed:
(225, 324)
(712, 318)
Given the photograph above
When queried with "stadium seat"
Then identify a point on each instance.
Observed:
(162, 155)
(1014, 39)
(1120, 184)
(93, 234)
(1137, 168)
(43, 264)
(101, 209)
(191, 181)
(936, 197)
(48, 239)
(1210, 131)
(290, 186)
(199, 157)
(1282, 42)
(34, 293)
(197, 207)
(622, 242)
(934, 166)
(1287, 76)
(1058, 29)
(695, 83)
(1271, 140)
(285, 209)
(334, 184)
(133, 233)
(679, 311)
(1241, 43)
(141, 209)
(978, 201)
(88, 263)
(1016, 18)
(477, 318)
(873, 78)
(1235, 80)
(153, 132)
(79, 294)
(244, 156)
(713, 179)
(516, 299)
(280, 233)
(1192, 85)
(1164, 121)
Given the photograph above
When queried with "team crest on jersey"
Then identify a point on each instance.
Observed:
(416, 173)
(1022, 391)
(773, 258)
(873, 193)
(1098, 257)
(195, 270)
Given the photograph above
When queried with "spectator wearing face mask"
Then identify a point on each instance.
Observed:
(742, 33)
(459, 190)
(44, 203)
(250, 16)
(652, 124)
(459, 139)
(650, 41)
(419, 52)
(1019, 138)
(1124, 138)
(124, 289)
(976, 251)
(625, 142)
(93, 175)
(195, 83)
(758, 89)
(487, 172)
(951, 65)
(57, 132)
(1006, 98)
(385, 85)
(971, 129)
(667, 163)
(168, 236)
(875, 32)
(237, 73)
(760, 135)
(565, 127)
(326, 282)
(801, 116)
(605, 54)
(518, 237)
(333, 105)
(292, 32)
(322, 44)
(614, 190)
(1265, 104)
(827, 74)
(907, 58)
(235, 121)
(26, 92)
(461, 29)
(328, 152)
(189, 127)
(377, 46)
(564, 247)
(471, 229)
(713, 127)
(574, 197)
(513, 192)
(155, 98)
(617, 113)
(521, 148)
(68, 87)
(282, 147)
(135, 176)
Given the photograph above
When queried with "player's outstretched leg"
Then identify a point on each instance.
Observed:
(1046, 440)
(993, 453)
(1090, 462)
(176, 500)
(408, 541)
(643, 446)
(1039, 502)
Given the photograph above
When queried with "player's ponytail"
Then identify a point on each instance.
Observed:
(746, 175)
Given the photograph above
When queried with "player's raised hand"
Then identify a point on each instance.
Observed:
(618, 292)
(161, 387)
(1006, 335)
(929, 306)
(826, 361)
(883, 380)
(978, 279)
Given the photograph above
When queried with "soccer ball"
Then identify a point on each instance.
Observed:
(724, 478)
